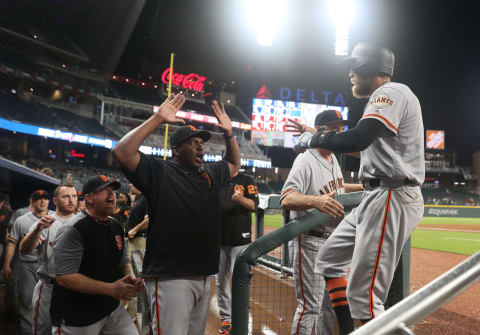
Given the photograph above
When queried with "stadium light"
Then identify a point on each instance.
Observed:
(341, 13)
(264, 17)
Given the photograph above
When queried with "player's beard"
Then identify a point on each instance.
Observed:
(363, 88)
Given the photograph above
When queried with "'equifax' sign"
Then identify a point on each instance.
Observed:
(190, 81)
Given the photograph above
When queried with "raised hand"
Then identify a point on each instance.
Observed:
(169, 108)
(224, 122)
(45, 222)
(237, 195)
(298, 128)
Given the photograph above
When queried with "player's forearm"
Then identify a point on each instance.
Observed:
(127, 270)
(9, 252)
(29, 242)
(142, 225)
(295, 201)
(126, 150)
(232, 154)
(249, 204)
(353, 188)
(356, 139)
(83, 284)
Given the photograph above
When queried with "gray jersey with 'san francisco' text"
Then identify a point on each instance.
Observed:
(400, 156)
(312, 174)
(46, 264)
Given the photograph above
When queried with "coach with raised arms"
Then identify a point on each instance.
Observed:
(183, 244)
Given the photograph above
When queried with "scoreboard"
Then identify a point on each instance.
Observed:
(269, 118)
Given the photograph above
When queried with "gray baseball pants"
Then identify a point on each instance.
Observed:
(228, 254)
(27, 279)
(179, 305)
(116, 323)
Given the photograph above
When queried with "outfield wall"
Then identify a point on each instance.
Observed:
(452, 211)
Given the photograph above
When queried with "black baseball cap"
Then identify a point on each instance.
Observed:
(329, 117)
(96, 183)
(184, 133)
(39, 194)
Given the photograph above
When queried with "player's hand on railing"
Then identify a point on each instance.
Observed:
(122, 289)
(169, 108)
(224, 122)
(327, 204)
(298, 128)
(303, 143)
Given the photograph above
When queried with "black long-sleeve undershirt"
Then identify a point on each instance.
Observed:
(352, 140)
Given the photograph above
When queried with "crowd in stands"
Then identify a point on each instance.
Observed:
(456, 196)
(34, 112)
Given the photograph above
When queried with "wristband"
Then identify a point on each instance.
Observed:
(227, 137)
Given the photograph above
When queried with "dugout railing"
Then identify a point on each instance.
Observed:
(242, 273)
(425, 301)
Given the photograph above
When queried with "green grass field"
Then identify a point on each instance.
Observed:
(464, 243)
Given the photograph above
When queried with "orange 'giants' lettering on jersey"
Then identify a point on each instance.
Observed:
(331, 186)
(252, 189)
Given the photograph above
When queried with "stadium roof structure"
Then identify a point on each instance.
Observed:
(19, 182)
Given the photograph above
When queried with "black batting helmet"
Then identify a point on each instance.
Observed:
(368, 60)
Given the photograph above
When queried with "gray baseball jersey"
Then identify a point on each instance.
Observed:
(401, 156)
(42, 294)
(46, 264)
(311, 174)
(372, 236)
(21, 227)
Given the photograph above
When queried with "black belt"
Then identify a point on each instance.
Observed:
(319, 234)
(373, 183)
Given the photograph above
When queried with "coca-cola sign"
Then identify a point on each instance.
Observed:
(190, 81)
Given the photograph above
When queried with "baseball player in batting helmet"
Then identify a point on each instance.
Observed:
(392, 168)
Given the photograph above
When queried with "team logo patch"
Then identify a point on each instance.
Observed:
(381, 100)
(192, 128)
(207, 177)
(119, 242)
(339, 115)
(104, 178)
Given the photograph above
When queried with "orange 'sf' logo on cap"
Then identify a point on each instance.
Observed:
(339, 115)
(104, 178)
(41, 192)
(192, 128)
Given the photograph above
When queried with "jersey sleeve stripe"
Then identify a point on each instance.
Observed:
(384, 119)
(11, 239)
(287, 191)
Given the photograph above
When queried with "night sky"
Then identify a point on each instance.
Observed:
(436, 44)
